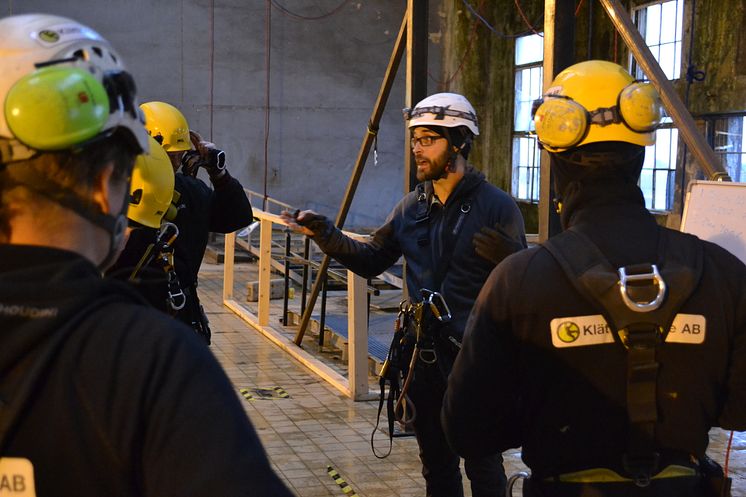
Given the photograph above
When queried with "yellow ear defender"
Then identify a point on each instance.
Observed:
(54, 108)
(561, 122)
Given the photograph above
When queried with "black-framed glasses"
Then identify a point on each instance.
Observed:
(425, 141)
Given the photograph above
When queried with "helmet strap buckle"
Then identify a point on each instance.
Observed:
(603, 116)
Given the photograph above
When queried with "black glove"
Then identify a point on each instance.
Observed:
(213, 162)
(311, 220)
(494, 245)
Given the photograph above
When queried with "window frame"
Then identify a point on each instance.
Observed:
(525, 174)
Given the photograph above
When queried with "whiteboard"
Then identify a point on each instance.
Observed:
(716, 211)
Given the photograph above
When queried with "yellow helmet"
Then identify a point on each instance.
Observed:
(152, 187)
(596, 101)
(167, 125)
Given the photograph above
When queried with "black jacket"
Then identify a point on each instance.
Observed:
(466, 271)
(513, 386)
(202, 210)
(125, 401)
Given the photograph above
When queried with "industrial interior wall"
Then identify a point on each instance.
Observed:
(292, 132)
(479, 62)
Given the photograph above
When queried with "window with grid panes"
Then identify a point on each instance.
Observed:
(661, 26)
(529, 54)
(728, 140)
(657, 180)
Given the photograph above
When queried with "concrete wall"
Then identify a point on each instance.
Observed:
(324, 79)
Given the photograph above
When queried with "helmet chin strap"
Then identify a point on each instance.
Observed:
(455, 151)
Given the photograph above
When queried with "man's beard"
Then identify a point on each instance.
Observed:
(437, 168)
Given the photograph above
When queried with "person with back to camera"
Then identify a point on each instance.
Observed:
(451, 230)
(608, 352)
(99, 394)
(199, 209)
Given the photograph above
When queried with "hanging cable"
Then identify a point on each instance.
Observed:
(692, 74)
(212, 64)
(589, 56)
(577, 10)
(445, 85)
(476, 14)
(307, 18)
(267, 61)
(525, 19)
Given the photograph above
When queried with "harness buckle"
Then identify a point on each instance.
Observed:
(654, 278)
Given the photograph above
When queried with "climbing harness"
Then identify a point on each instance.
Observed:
(639, 303)
(416, 338)
(161, 254)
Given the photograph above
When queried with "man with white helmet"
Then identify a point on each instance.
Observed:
(609, 352)
(92, 397)
(451, 230)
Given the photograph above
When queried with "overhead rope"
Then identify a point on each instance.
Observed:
(300, 17)
(484, 21)
(212, 64)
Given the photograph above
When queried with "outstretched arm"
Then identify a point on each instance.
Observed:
(367, 259)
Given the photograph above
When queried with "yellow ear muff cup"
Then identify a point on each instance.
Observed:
(55, 108)
(640, 107)
(560, 123)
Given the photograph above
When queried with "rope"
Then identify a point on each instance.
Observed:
(525, 19)
(300, 17)
(212, 63)
(267, 62)
(727, 454)
(577, 10)
(446, 84)
(492, 28)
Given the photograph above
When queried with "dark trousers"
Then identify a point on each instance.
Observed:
(440, 465)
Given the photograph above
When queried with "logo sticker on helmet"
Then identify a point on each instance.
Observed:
(66, 33)
(49, 36)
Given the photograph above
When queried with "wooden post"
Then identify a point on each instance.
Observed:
(265, 270)
(357, 336)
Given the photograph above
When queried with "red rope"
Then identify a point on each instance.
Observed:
(727, 454)
(525, 19)
(577, 11)
(446, 84)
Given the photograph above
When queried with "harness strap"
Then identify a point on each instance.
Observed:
(422, 224)
(641, 332)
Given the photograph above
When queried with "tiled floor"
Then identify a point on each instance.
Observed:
(316, 427)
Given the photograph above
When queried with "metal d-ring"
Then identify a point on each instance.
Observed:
(654, 277)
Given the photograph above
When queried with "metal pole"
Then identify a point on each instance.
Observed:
(675, 107)
(375, 119)
(306, 270)
(559, 24)
(322, 317)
